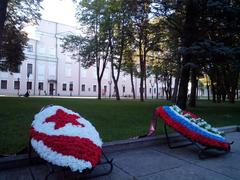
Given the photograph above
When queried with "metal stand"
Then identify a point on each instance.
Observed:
(202, 149)
(86, 174)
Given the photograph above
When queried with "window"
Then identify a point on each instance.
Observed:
(40, 86)
(83, 87)
(3, 84)
(71, 87)
(29, 48)
(150, 90)
(64, 87)
(16, 69)
(16, 84)
(3, 67)
(94, 88)
(29, 85)
(154, 90)
(105, 89)
(29, 68)
(123, 89)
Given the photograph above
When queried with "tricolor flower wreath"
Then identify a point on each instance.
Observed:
(64, 138)
(193, 127)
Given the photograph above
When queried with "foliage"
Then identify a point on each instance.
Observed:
(13, 45)
(13, 39)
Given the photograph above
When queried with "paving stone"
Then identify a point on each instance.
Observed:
(145, 161)
(227, 164)
(116, 174)
(188, 172)
(16, 174)
(153, 162)
(190, 153)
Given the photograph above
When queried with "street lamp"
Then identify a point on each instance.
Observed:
(110, 88)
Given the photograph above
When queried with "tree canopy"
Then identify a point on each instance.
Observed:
(14, 15)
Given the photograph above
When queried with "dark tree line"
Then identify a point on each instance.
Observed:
(189, 39)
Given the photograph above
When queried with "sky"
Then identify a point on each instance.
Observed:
(61, 11)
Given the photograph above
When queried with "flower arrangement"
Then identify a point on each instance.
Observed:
(193, 127)
(197, 120)
(64, 138)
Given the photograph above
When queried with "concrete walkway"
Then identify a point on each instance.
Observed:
(153, 162)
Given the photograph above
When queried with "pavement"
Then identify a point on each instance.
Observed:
(155, 161)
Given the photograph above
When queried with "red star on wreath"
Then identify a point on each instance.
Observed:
(62, 118)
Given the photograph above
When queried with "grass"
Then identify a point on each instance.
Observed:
(114, 120)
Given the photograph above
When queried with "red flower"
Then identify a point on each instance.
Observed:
(62, 118)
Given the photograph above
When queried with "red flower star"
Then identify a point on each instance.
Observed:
(62, 118)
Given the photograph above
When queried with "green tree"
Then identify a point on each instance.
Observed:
(92, 49)
(14, 14)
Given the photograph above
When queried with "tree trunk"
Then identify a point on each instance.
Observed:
(213, 92)
(192, 100)
(183, 88)
(3, 12)
(132, 83)
(176, 85)
(208, 91)
(141, 70)
(234, 83)
(99, 88)
(116, 90)
(156, 80)
(189, 35)
(237, 92)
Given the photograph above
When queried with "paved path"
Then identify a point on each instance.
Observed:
(154, 162)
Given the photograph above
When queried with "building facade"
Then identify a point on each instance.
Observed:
(49, 71)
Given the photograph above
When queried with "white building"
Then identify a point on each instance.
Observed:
(48, 71)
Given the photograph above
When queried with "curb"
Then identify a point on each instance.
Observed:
(16, 161)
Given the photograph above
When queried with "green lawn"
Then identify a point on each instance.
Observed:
(114, 120)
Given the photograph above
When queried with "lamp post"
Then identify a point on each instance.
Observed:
(110, 88)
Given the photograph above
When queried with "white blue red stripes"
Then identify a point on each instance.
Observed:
(183, 120)
(188, 129)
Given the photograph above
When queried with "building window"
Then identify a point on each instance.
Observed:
(123, 89)
(29, 48)
(94, 88)
(29, 85)
(40, 86)
(3, 84)
(17, 69)
(154, 90)
(16, 84)
(150, 90)
(83, 87)
(64, 87)
(29, 68)
(3, 66)
(71, 87)
(105, 89)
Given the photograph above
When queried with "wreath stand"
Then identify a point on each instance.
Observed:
(86, 174)
(203, 150)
